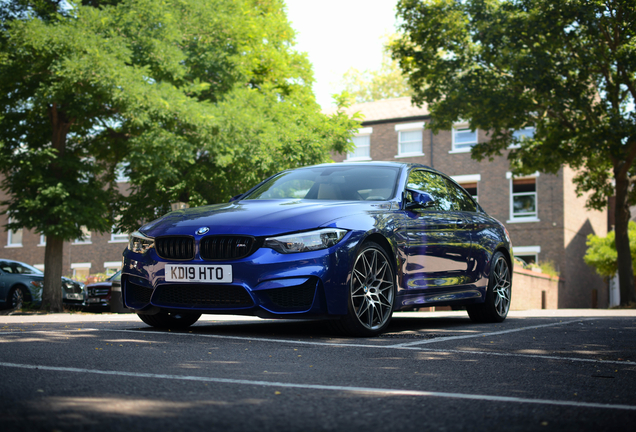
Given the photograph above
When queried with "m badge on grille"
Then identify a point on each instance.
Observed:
(202, 230)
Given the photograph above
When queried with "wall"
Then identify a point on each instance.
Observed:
(585, 288)
(527, 289)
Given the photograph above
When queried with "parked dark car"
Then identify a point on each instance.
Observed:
(99, 294)
(21, 283)
(349, 242)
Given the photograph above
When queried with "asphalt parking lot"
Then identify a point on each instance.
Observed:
(539, 370)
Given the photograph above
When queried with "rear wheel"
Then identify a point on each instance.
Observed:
(170, 320)
(371, 293)
(497, 304)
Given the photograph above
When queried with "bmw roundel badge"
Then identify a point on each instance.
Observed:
(202, 230)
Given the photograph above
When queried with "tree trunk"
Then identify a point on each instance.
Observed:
(54, 251)
(625, 270)
(53, 264)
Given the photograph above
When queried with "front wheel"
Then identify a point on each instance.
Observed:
(497, 304)
(371, 293)
(17, 298)
(170, 320)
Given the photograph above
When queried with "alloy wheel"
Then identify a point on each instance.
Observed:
(501, 287)
(372, 289)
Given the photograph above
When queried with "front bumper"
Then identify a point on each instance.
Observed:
(266, 283)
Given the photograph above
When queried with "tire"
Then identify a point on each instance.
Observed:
(371, 293)
(497, 304)
(170, 320)
(17, 297)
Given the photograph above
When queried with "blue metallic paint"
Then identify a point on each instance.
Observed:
(440, 257)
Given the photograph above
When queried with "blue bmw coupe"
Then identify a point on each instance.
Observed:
(347, 242)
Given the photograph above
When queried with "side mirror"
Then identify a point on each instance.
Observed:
(420, 199)
(236, 197)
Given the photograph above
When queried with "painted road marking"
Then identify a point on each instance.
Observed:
(452, 338)
(364, 390)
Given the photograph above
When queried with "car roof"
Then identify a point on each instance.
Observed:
(369, 163)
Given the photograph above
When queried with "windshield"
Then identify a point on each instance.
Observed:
(342, 183)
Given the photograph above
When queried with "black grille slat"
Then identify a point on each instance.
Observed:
(226, 247)
(175, 247)
(202, 295)
(137, 294)
(294, 297)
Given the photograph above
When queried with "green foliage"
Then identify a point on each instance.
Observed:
(199, 98)
(547, 267)
(567, 68)
(601, 252)
(196, 99)
(387, 82)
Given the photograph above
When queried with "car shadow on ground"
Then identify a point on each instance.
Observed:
(400, 327)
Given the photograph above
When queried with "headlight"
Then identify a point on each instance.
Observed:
(140, 243)
(306, 241)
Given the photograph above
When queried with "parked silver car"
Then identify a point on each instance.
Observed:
(21, 283)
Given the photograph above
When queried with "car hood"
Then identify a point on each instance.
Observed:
(257, 217)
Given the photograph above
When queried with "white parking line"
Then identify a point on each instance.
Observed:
(365, 390)
(445, 339)
(411, 348)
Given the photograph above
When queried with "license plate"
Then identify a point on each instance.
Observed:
(199, 273)
(74, 296)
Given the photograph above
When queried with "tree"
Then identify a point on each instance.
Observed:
(157, 86)
(601, 251)
(385, 83)
(567, 68)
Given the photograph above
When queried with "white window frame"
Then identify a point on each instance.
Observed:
(527, 250)
(468, 178)
(116, 265)
(467, 146)
(10, 240)
(118, 237)
(516, 146)
(120, 177)
(75, 266)
(87, 240)
(527, 219)
(409, 127)
(42, 241)
(362, 132)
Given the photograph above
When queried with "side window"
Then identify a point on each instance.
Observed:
(433, 184)
(461, 200)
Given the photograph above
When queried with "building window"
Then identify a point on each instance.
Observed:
(522, 134)
(523, 199)
(362, 142)
(112, 267)
(120, 172)
(469, 182)
(463, 139)
(471, 188)
(42, 240)
(117, 237)
(14, 238)
(86, 237)
(410, 139)
(528, 254)
(81, 271)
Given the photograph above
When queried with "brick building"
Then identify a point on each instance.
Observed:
(94, 253)
(545, 218)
